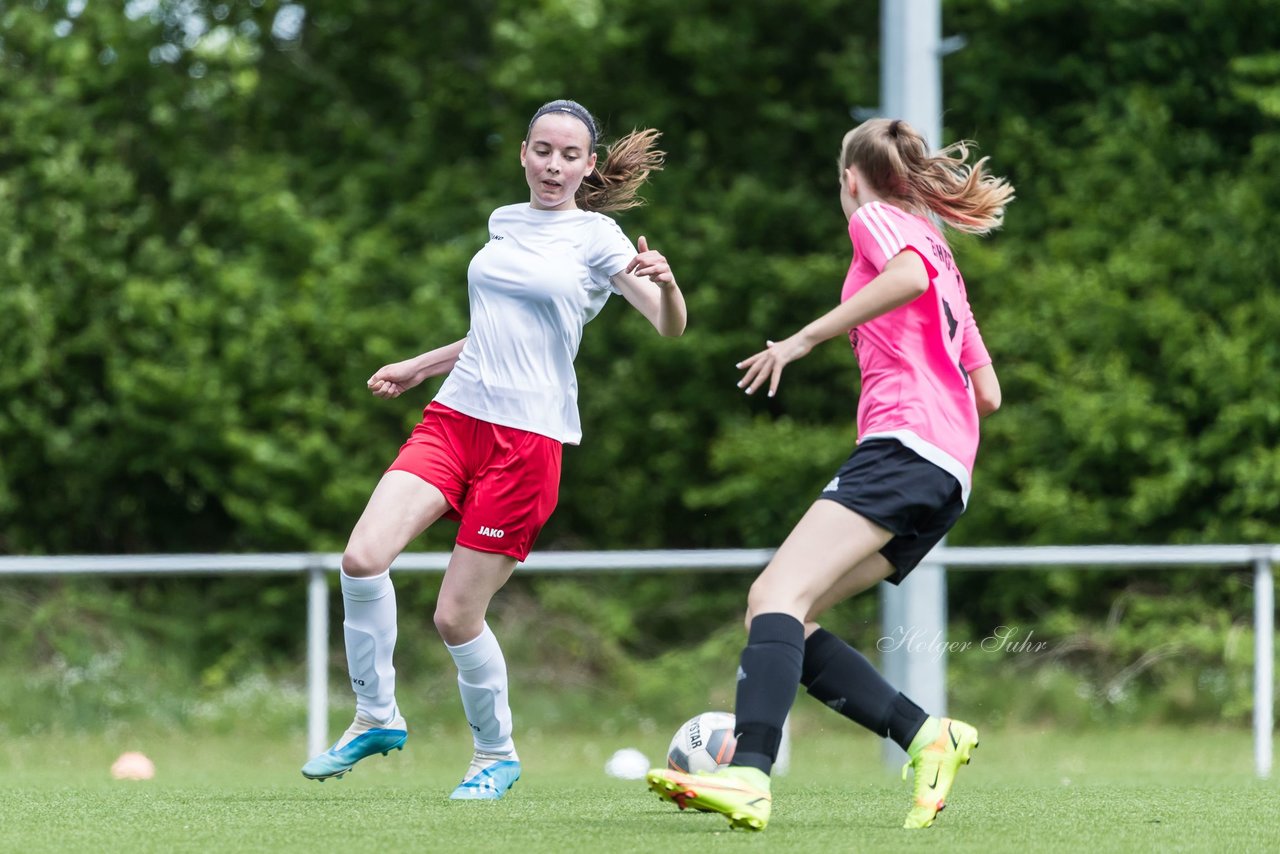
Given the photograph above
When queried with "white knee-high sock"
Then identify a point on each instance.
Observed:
(370, 631)
(482, 681)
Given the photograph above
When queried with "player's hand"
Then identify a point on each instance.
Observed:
(767, 365)
(651, 264)
(393, 380)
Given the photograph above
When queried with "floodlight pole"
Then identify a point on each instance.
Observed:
(914, 616)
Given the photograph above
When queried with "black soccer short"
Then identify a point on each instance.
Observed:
(902, 492)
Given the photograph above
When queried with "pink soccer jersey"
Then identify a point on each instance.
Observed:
(916, 359)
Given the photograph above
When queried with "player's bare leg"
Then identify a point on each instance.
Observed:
(401, 508)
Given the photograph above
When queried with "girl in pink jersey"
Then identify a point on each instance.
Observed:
(926, 380)
(487, 452)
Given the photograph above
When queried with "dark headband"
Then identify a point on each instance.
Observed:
(574, 109)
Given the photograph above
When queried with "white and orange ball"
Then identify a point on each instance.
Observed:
(705, 742)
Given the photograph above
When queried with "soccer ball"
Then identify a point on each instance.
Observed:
(703, 743)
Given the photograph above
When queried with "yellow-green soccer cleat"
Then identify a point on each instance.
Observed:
(739, 794)
(935, 769)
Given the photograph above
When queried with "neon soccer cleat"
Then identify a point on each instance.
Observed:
(935, 769)
(490, 776)
(739, 794)
(364, 737)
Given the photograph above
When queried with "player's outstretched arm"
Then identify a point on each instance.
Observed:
(395, 379)
(658, 299)
(903, 279)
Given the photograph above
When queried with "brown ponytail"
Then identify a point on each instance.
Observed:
(615, 183)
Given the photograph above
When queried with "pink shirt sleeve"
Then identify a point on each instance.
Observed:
(973, 352)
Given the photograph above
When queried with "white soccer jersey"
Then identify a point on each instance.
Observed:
(533, 286)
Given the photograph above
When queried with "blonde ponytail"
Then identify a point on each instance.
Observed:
(896, 161)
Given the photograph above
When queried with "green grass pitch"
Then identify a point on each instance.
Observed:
(1028, 790)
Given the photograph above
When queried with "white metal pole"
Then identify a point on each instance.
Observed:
(1264, 641)
(317, 660)
(913, 616)
(911, 64)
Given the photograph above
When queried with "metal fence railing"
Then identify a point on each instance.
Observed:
(318, 568)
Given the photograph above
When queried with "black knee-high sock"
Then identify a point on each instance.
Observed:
(768, 676)
(839, 675)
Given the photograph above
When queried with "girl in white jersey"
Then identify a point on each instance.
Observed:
(487, 452)
(926, 379)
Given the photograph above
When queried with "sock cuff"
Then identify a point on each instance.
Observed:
(757, 745)
(819, 647)
(477, 652)
(366, 589)
(776, 628)
(907, 722)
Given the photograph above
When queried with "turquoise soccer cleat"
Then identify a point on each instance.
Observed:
(364, 737)
(490, 776)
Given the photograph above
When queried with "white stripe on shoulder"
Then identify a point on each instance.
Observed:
(893, 226)
(882, 228)
(880, 212)
(863, 217)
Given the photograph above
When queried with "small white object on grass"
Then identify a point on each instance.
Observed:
(627, 764)
(133, 766)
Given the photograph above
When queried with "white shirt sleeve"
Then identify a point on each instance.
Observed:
(609, 251)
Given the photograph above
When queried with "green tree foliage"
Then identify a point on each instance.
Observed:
(217, 219)
(218, 230)
(1131, 301)
(214, 231)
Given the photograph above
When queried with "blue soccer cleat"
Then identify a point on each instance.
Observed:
(364, 737)
(490, 776)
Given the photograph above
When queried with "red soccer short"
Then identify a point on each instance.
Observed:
(502, 483)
